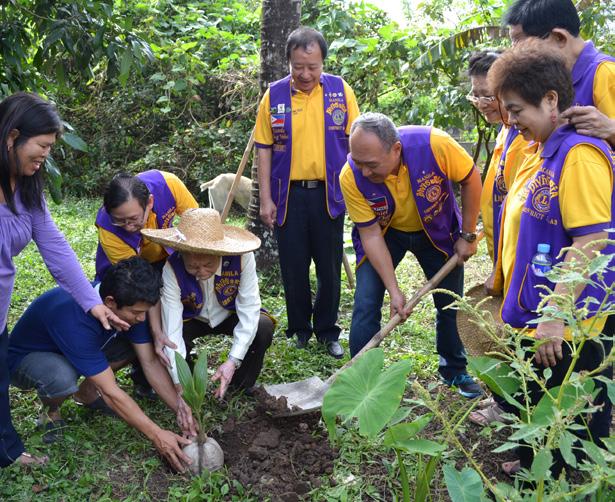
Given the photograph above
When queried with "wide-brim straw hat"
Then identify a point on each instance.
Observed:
(201, 231)
(474, 339)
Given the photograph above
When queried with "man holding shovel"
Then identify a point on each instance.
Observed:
(398, 189)
(302, 139)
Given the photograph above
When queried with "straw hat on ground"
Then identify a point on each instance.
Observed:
(201, 231)
(475, 340)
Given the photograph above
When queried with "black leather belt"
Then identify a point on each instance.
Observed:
(307, 183)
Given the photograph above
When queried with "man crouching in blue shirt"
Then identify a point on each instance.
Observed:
(55, 342)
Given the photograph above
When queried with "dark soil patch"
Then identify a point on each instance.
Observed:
(282, 458)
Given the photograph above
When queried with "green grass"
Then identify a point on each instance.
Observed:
(103, 459)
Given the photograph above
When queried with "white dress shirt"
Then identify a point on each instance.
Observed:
(247, 306)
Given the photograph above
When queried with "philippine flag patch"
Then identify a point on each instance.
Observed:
(277, 120)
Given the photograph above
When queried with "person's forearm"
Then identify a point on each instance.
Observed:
(611, 138)
(264, 172)
(160, 380)
(129, 411)
(471, 189)
(155, 320)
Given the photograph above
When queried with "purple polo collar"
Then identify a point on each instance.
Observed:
(587, 57)
(551, 146)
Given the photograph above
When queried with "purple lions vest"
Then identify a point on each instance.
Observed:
(226, 285)
(164, 208)
(336, 142)
(431, 188)
(584, 72)
(541, 221)
(500, 189)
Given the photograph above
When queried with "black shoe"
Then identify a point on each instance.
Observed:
(144, 392)
(334, 349)
(54, 430)
(302, 342)
(99, 406)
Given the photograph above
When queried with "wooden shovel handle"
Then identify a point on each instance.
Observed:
(242, 165)
(408, 308)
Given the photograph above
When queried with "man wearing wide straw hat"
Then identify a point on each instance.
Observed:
(210, 287)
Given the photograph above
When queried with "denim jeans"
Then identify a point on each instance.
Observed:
(51, 374)
(11, 446)
(369, 295)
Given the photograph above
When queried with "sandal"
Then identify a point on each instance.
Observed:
(511, 468)
(28, 460)
(488, 415)
(485, 403)
(53, 430)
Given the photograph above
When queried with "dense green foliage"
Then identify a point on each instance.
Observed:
(173, 85)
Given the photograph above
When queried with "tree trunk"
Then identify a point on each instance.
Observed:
(279, 19)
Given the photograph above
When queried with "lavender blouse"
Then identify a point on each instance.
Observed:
(16, 231)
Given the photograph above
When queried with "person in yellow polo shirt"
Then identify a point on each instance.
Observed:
(148, 200)
(554, 25)
(302, 141)
(507, 154)
(562, 197)
(398, 190)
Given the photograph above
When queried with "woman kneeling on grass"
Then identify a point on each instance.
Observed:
(29, 126)
(562, 196)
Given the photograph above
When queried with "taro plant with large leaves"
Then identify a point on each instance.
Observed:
(371, 396)
(206, 452)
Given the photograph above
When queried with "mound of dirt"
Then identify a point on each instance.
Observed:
(283, 458)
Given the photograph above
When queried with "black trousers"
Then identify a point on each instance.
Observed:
(11, 446)
(309, 234)
(590, 358)
(250, 368)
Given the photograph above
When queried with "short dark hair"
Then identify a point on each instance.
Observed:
(481, 61)
(302, 38)
(538, 17)
(531, 74)
(32, 116)
(131, 281)
(124, 187)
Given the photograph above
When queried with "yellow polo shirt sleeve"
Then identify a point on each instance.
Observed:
(454, 161)
(114, 247)
(585, 191)
(184, 200)
(604, 89)
(358, 209)
(263, 136)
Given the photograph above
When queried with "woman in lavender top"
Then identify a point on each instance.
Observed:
(29, 126)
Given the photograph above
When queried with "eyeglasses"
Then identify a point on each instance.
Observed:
(124, 222)
(483, 100)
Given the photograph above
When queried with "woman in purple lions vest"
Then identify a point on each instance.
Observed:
(210, 287)
(562, 196)
(29, 126)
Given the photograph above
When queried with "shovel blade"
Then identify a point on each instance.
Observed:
(302, 397)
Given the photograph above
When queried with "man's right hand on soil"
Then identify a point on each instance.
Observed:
(169, 445)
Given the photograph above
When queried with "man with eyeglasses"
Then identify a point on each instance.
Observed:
(302, 139)
(555, 24)
(148, 200)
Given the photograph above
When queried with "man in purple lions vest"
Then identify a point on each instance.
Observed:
(210, 287)
(150, 199)
(302, 139)
(556, 25)
(398, 190)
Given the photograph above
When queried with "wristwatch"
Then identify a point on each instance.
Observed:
(236, 362)
(468, 236)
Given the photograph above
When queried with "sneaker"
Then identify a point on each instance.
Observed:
(466, 386)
